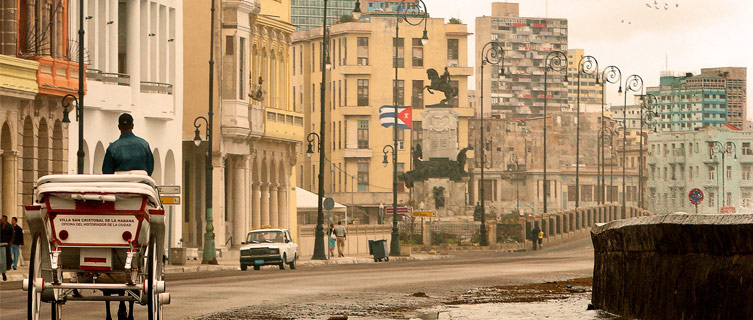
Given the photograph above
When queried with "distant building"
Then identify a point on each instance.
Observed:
(734, 81)
(590, 91)
(527, 42)
(686, 103)
(681, 161)
(308, 14)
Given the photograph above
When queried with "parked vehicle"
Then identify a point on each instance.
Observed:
(268, 247)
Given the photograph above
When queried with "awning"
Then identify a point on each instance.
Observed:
(307, 201)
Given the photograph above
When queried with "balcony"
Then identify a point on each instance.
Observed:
(460, 71)
(356, 111)
(357, 153)
(349, 70)
(56, 77)
(283, 125)
(18, 76)
(108, 91)
(157, 100)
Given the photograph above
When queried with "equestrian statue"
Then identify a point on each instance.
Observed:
(441, 84)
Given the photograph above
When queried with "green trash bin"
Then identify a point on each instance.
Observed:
(379, 249)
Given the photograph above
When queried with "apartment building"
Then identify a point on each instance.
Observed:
(733, 80)
(257, 128)
(689, 105)
(717, 160)
(308, 14)
(360, 81)
(526, 41)
(37, 68)
(590, 89)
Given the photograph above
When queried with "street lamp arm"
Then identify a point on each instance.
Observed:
(633, 83)
(589, 65)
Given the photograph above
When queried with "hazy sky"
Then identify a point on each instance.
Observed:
(637, 39)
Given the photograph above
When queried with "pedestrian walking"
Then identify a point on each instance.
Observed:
(341, 233)
(332, 239)
(129, 152)
(6, 240)
(18, 241)
(534, 236)
(541, 238)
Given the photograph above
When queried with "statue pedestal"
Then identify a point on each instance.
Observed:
(440, 139)
(433, 191)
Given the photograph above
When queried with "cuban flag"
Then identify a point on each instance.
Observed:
(404, 117)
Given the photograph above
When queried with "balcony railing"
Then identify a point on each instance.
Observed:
(156, 87)
(120, 79)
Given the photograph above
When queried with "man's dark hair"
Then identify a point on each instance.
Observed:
(125, 121)
(339, 222)
(14, 219)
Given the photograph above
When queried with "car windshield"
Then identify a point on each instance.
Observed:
(265, 237)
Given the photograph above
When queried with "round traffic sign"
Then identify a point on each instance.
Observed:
(329, 203)
(695, 196)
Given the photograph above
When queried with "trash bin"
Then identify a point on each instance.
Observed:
(3, 262)
(379, 249)
(177, 256)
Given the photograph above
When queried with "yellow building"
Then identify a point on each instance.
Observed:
(360, 81)
(257, 129)
(590, 92)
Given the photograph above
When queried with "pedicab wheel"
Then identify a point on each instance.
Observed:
(35, 275)
(154, 307)
(257, 267)
(244, 267)
(55, 311)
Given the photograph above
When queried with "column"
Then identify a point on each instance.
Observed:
(255, 205)
(273, 206)
(282, 200)
(239, 202)
(264, 203)
(9, 182)
(133, 49)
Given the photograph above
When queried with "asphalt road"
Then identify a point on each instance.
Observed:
(198, 294)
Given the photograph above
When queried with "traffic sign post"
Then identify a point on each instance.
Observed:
(696, 197)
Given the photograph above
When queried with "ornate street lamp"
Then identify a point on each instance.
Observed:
(402, 16)
(555, 61)
(586, 65)
(647, 115)
(722, 149)
(611, 74)
(209, 245)
(79, 101)
(607, 134)
(632, 83)
(319, 252)
(493, 54)
(514, 161)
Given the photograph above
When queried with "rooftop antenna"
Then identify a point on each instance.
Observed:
(546, 14)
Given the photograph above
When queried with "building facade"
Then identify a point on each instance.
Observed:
(526, 42)
(308, 14)
(513, 177)
(685, 103)
(734, 81)
(683, 160)
(133, 65)
(36, 71)
(360, 81)
(257, 129)
(590, 89)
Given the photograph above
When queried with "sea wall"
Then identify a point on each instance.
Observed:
(675, 266)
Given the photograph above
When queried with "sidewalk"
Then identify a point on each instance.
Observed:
(233, 264)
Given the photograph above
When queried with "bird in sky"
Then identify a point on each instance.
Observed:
(648, 5)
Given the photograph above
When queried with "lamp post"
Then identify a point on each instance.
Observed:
(555, 61)
(632, 83)
(319, 252)
(607, 132)
(611, 74)
(492, 54)
(723, 149)
(209, 246)
(401, 16)
(514, 161)
(79, 101)
(586, 65)
(647, 103)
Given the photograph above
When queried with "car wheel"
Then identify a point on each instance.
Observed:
(244, 267)
(292, 263)
(282, 264)
(257, 267)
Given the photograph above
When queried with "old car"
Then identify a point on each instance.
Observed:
(268, 247)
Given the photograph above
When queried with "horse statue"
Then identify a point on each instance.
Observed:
(441, 84)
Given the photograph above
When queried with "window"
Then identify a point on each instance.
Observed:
(612, 193)
(747, 172)
(363, 134)
(571, 194)
(400, 170)
(293, 61)
(363, 51)
(418, 53)
(747, 151)
(399, 91)
(712, 173)
(363, 92)
(587, 193)
(729, 172)
(242, 69)
(363, 175)
(711, 199)
(339, 135)
(400, 139)
(454, 101)
(728, 201)
(399, 61)
(452, 52)
(417, 97)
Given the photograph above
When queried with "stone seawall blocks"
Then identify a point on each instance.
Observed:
(675, 267)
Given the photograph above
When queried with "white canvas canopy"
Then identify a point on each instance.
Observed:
(307, 201)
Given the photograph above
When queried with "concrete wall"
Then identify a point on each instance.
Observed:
(357, 241)
(675, 267)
